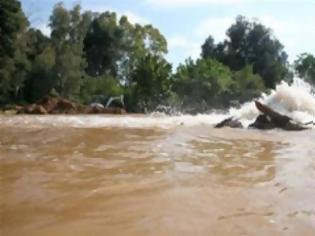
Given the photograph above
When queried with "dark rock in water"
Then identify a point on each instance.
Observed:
(40, 110)
(50, 105)
(65, 106)
(114, 110)
(265, 122)
(262, 122)
(93, 110)
(271, 119)
(295, 126)
(229, 122)
(32, 109)
(59, 105)
(275, 118)
(104, 110)
(96, 104)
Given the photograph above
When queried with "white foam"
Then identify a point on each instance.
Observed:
(125, 121)
(295, 100)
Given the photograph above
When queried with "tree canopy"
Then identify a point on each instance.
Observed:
(305, 67)
(250, 43)
(13, 63)
(91, 56)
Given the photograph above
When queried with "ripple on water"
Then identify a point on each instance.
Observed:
(151, 181)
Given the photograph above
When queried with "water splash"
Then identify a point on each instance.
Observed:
(295, 100)
(98, 121)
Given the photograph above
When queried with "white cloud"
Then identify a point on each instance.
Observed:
(178, 42)
(44, 28)
(216, 27)
(188, 48)
(185, 3)
(287, 30)
(295, 34)
(132, 16)
(189, 3)
(274, 23)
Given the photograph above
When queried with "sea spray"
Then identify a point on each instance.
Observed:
(295, 100)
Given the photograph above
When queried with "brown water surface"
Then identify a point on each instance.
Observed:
(181, 180)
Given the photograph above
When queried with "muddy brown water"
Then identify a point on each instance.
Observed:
(181, 180)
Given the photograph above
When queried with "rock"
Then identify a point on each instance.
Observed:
(229, 122)
(93, 110)
(39, 110)
(272, 119)
(33, 109)
(58, 105)
(104, 110)
(114, 110)
(10, 112)
(269, 119)
(295, 126)
(262, 122)
(275, 118)
(95, 104)
(10, 109)
(49, 103)
(65, 106)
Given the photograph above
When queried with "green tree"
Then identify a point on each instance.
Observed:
(41, 78)
(138, 41)
(208, 48)
(100, 89)
(13, 24)
(67, 41)
(250, 42)
(21, 69)
(151, 82)
(247, 84)
(305, 67)
(35, 45)
(113, 46)
(203, 84)
(102, 44)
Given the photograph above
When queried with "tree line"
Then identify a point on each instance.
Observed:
(90, 57)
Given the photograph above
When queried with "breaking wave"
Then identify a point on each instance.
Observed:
(296, 100)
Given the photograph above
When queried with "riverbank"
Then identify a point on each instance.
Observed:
(59, 105)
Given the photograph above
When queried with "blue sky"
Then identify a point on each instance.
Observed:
(186, 23)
